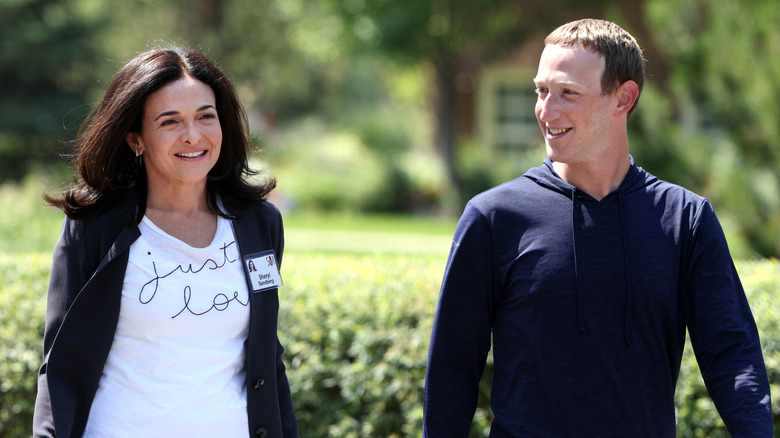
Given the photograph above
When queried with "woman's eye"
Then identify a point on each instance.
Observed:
(168, 122)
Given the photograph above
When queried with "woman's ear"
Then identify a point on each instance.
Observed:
(627, 94)
(135, 145)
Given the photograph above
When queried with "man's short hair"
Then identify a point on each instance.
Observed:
(622, 55)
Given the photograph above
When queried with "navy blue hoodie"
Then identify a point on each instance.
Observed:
(587, 304)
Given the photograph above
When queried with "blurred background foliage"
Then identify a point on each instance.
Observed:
(364, 105)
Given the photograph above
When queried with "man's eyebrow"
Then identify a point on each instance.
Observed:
(173, 113)
(564, 82)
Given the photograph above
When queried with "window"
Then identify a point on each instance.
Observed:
(506, 123)
(514, 120)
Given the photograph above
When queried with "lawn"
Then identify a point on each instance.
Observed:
(355, 318)
(30, 226)
(355, 286)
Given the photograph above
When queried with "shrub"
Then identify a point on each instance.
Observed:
(23, 283)
(696, 413)
(356, 329)
(367, 168)
(321, 170)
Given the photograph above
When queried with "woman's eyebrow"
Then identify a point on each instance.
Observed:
(173, 113)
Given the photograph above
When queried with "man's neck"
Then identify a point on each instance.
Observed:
(597, 180)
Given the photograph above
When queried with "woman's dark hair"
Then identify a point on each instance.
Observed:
(104, 163)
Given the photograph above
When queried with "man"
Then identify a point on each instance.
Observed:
(585, 272)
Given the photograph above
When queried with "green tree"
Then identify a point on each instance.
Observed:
(715, 128)
(454, 37)
(47, 63)
(282, 54)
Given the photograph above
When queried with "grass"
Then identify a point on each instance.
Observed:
(390, 265)
(358, 301)
(374, 234)
(28, 225)
(370, 223)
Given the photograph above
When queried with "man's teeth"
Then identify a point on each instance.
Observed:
(557, 131)
(191, 154)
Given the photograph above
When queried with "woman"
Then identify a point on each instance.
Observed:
(154, 325)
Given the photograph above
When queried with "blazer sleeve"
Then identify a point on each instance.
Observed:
(72, 265)
(289, 421)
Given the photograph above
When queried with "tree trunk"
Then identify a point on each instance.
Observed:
(446, 101)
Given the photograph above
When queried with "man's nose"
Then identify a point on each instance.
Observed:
(547, 108)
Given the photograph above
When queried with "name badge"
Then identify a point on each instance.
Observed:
(263, 271)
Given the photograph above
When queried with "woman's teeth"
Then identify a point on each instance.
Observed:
(191, 154)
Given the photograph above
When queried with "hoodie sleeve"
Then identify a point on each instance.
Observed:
(460, 339)
(723, 333)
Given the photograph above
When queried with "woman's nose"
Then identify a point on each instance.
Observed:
(191, 134)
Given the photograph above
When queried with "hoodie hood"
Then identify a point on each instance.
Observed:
(545, 176)
(636, 179)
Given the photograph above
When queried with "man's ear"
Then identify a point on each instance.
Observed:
(627, 94)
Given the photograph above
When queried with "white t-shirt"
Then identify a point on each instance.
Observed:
(176, 366)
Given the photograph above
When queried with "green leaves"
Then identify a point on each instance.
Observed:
(720, 104)
(22, 307)
(356, 329)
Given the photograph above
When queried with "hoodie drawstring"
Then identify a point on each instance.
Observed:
(629, 287)
(580, 316)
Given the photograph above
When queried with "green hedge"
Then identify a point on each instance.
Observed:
(356, 329)
(23, 283)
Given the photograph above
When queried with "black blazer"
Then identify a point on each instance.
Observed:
(85, 288)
